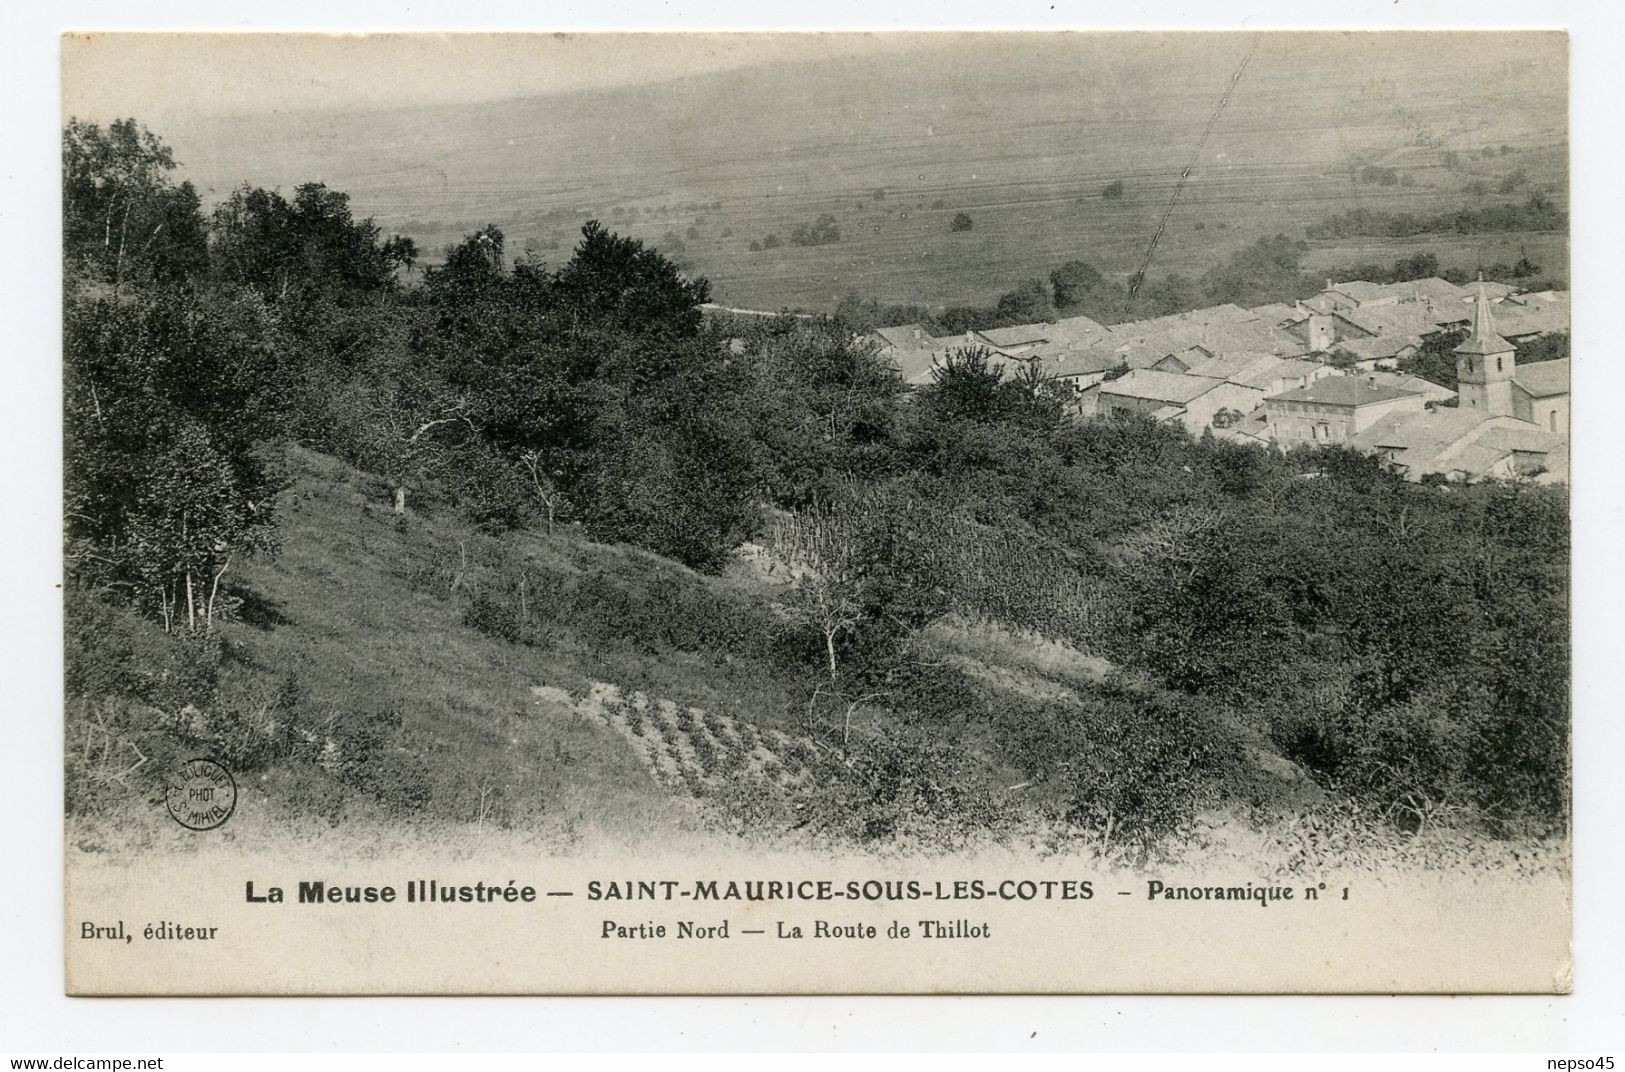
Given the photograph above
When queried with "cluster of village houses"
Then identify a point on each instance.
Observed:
(1319, 371)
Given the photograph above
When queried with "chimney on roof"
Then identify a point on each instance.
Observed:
(1328, 284)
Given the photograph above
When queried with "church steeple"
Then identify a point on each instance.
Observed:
(1485, 363)
(1483, 341)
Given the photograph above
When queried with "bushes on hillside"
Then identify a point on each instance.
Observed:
(821, 232)
(168, 395)
(1538, 213)
(1131, 765)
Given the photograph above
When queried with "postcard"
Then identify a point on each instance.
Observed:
(814, 513)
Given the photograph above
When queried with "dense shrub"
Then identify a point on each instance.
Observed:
(111, 652)
(1538, 213)
(494, 617)
(900, 783)
(1129, 764)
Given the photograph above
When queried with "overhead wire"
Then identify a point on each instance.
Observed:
(1162, 224)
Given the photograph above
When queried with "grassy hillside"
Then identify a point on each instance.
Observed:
(364, 617)
(614, 717)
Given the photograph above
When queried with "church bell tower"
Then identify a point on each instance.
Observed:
(1485, 364)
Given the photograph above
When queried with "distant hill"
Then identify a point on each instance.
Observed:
(1020, 131)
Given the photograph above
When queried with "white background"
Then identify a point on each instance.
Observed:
(34, 1017)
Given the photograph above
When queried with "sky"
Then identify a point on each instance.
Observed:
(155, 76)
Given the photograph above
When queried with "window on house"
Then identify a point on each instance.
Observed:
(1551, 420)
(1498, 364)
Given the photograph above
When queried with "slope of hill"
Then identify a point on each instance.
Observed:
(1022, 132)
(621, 721)
(618, 713)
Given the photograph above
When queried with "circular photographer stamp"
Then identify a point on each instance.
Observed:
(201, 795)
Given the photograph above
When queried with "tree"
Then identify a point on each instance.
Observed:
(168, 397)
(826, 575)
(961, 222)
(824, 409)
(1075, 283)
(823, 231)
(472, 270)
(1418, 266)
(614, 282)
(309, 248)
(402, 251)
(1435, 359)
(1026, 304)
(1173, 293)
(670, 468)
(408, 427)
(122, 217)
(1113, 190)
(966, 386)
(1262, 271)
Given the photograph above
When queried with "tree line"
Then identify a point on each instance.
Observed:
(1538, 213)
(1269, 269)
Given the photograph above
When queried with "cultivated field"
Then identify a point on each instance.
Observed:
(893, 150)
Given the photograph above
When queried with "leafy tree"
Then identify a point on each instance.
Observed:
(1113, 190)
(966, 385)
(304, 249)
(1435, 359)
(670, 473)
(1074, 284)
(168, 397)
(1544, 348)
(961, 222)
(1173, 293)
(613, 281)
(1026, 304)
(123, 219)
(1419, 266)
(823, 231)
(1262, 271)
(824, 409)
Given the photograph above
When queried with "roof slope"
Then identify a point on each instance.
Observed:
(1081, 362)
(1449, 440)
(1404, 381)
(1378, 347)
(1411, 318)
(1344, 391)
(1543, 379)
(1160, 386)
(906, 337)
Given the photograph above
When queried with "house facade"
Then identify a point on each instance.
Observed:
(1193, 401)
(1334, 410)
(1540, 395)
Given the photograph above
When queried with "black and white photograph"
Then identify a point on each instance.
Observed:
(816, 512)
